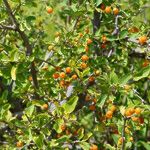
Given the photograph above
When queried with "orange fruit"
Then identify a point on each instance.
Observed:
(131, 139)
(68, 70)
(97, 72)
(85, 58)
(102, 6)
(129, 112)
(104, 38)
(108, 9)
(56, 75)
(133, 30)
(109, 114)
(141, 120)
(49, 10)
(91, 79)
(57, 34)
(116, 11)
(86, 48)
(30, 78)
(92, 107)
(57, 68)
(89, 41)
(94, 147)
(74, 76)
(94, 100)
(45, 106)
(83, 65)
(19, 144)
(87, 98)
(138, 111)
(81, 34)
(142, 39)
(113, 108)
(62, 83)
(62, 75)
(103, 46)
(120, 140)
(67, 132)
(135, 119)
(146, 63)
(63, 127)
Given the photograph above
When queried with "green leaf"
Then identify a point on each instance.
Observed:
(142, 73)
(123, 34)
(86, 72)
(70, 105)
(57, 125)
(80, 133)
(84, 145)
(39, 141)
(98, 2)
(146, 145)
(13, 73)
(109, 147)
(113, 78)
(123, 80)
(29, 110)
(102, 100)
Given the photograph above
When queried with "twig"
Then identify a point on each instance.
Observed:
(7, 27)
(123, 133)
(116, 30)
(137, 94)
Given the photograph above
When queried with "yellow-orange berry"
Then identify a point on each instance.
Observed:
(142, 40)
(83, 65)
(62, 83)
(94, 147)
(19, 144)
(85, 58)
(63, 127)
(92, 107)
(56, 75)
(116, 11)
(49, 10)
(74, 77)
(113, 108)
(62, 75)
(138, 111)
(89, 41)
(91, 79)
(97, 72)
(45, 106)
(131, 139)
(109, 114)
(104, 39)
(108, 9)
(68, 70)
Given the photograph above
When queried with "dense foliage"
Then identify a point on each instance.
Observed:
(75, 74)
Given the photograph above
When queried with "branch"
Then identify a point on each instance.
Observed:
(25, 40)
(116, 30)
(7, 27)
(123, 134)
(16, 24)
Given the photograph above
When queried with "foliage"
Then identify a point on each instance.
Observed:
(74, 74)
